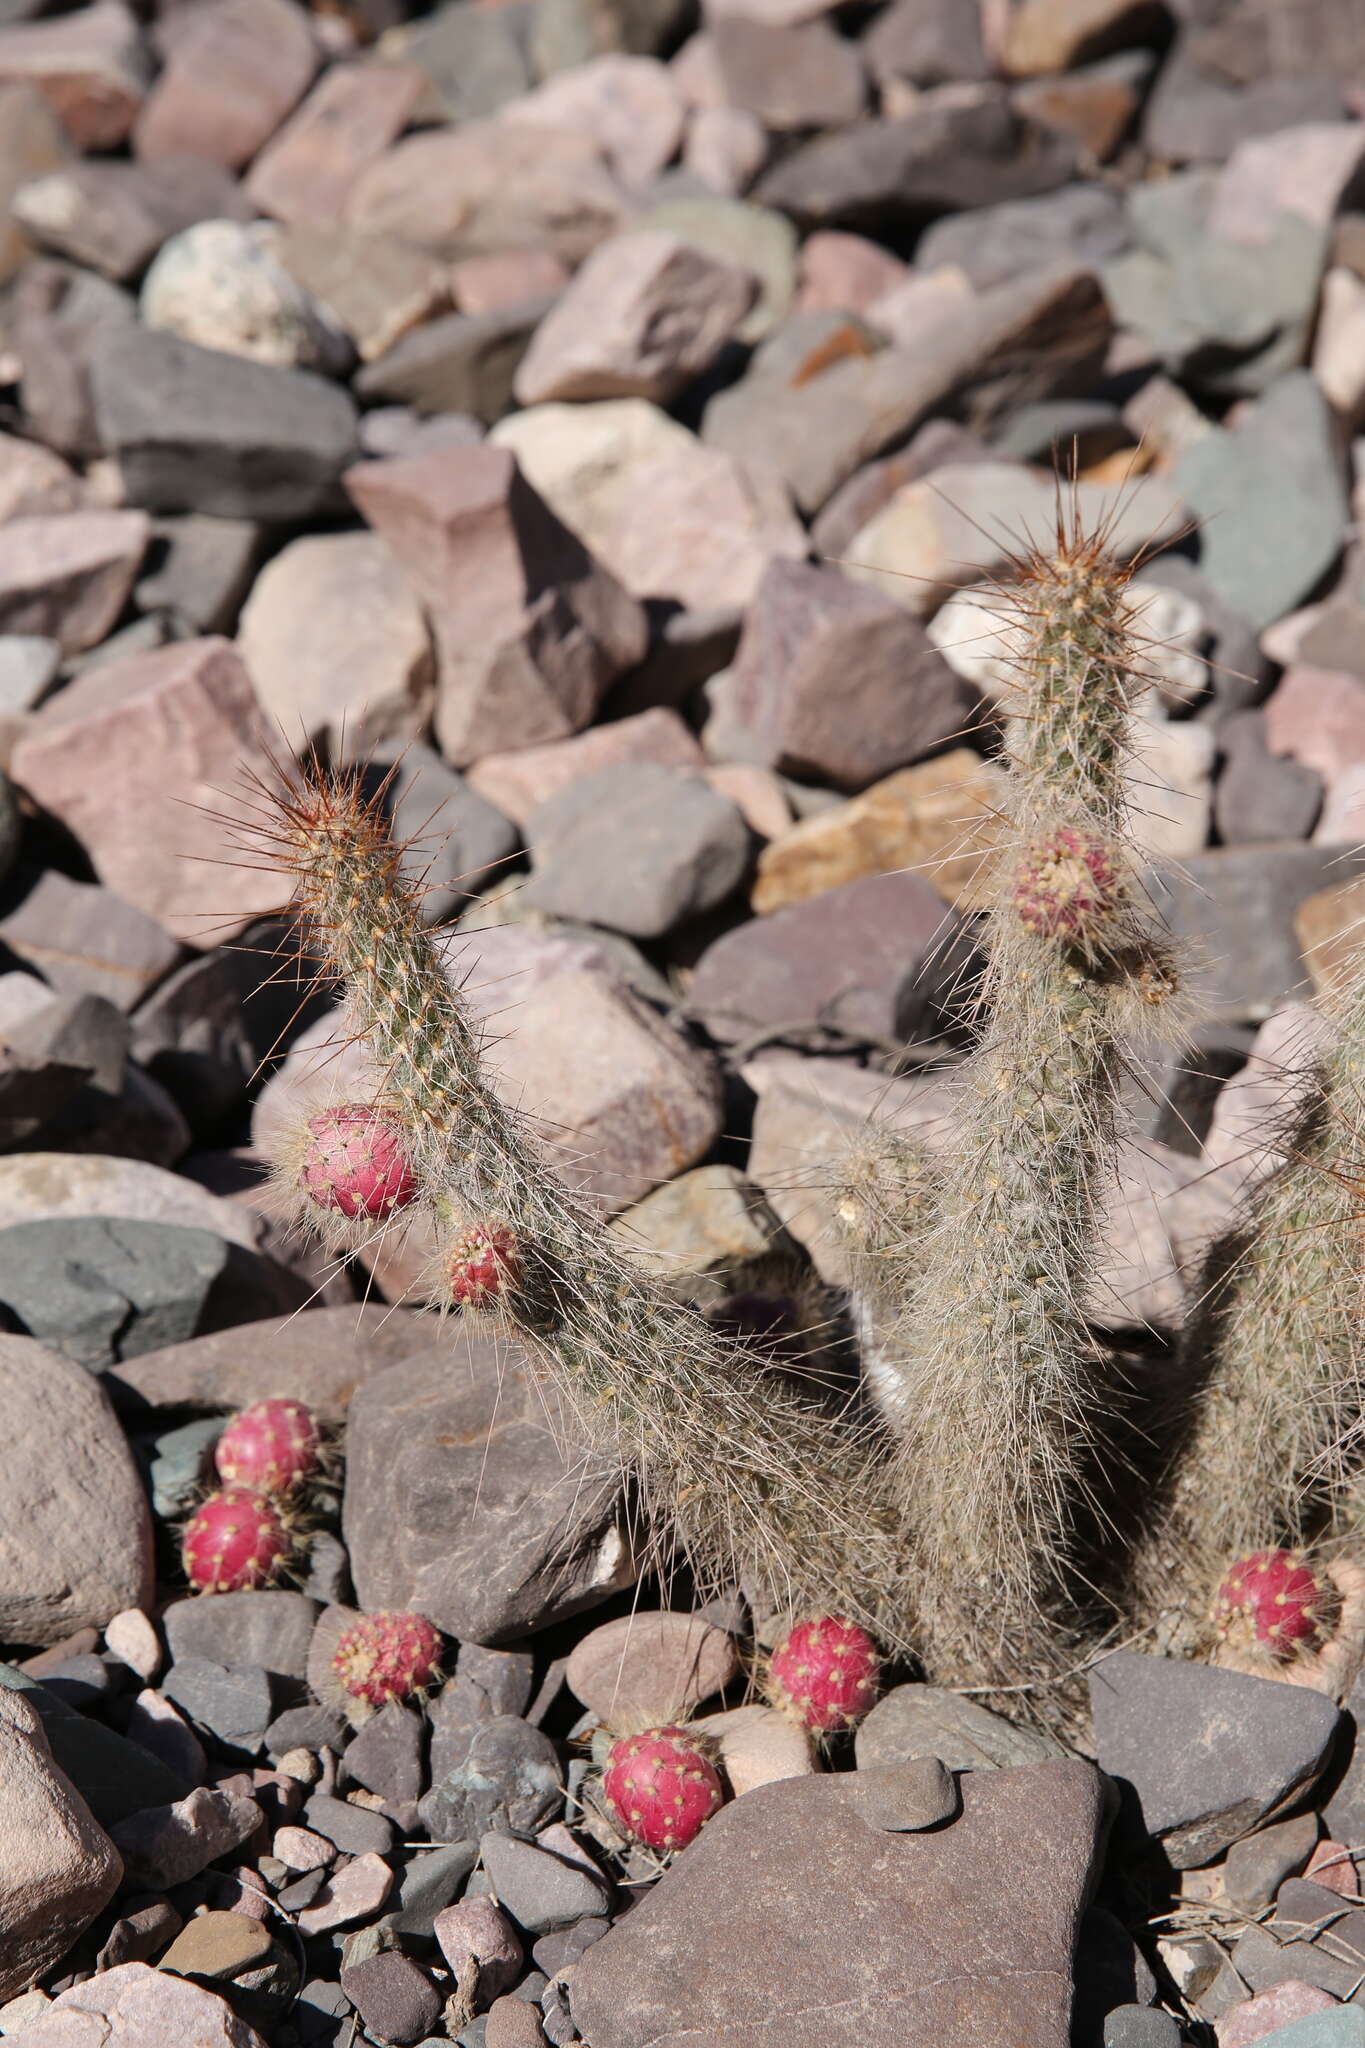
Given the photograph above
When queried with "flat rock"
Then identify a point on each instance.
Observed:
(463, 362)
(650, 1669)
(926, 1720)
(1262, 796)
(114, 216)
(393, 1995)
(37, 1185)
(1209, 1754)
(233, 1705)
(526, 777)
(794, 76)
(451, 1465)
(67, 578)
(165, 1845)
(1289, 2014)
(75, 1531)
(355, 111)
(757, 1744)
(509, 1779)
(130, 758)
(100, 1288)
(1258, 1865)
(199, 568)
(232, 74)
(269, 1629)
(899, 1951)
(141, 2007)
(59, 1867)
(376, 292)
(90, 67)
(541, 1891)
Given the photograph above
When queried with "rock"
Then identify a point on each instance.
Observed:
(195, 431)
(842, 273)
(793, 76)
(1289, 1948)
(62, 320)
(35, 143)
(725, 148)
(895, 698)
(67, 578)
(231, 76)
(529, 630)
(539, 1890)
(463, 363)
(487, 186)
(34, 482)
(512, 2023)
(1337, 344)
(486, 1683)
(76, 1547)
(354, 1830)
(898, 1937)
(141, 2007)
(926, 1720)
(1046, 37)
(1262, 796)
(336, 609)
(165, 1845)
(132, 1638)
(305, 172)
(1079, 224)
(156, 1726)
(1257, 1866)
(459, 842)
(505, 278)
(1209, 1754)
(1271, 2015)
(99, 1288)
(199, 569)
(431, 1483)
(640, 848)
(374, 292)
(221, 285)
(1317, 717)
(702, 1234)
(114, 1776)
(129, 757)
(520, 781)
(645, 315)
(1170, 785)
(509, 1778)
(113, 217)
(429, 1879)
(476, 1929)
(388, 1755)
(270, 1629)
(757, 1745)
(393, 1995)
(90, 67)
(668, 517)
(1309, 171)
(234, 1705)
(880, 958)
(1140, 2026)
(631, 105)
(59, 1867)
(649, 1669)
(301, 1849)
(1283, 516)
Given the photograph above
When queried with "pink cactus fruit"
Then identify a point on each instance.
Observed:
(234, 1542)
(483, 1263)
(386, 1656)
(1067, 886)
(825, 1674)
(272, 1447)
(1275, 1603)
(356, 1163)
(661, 1787)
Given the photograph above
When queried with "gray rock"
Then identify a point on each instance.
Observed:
(484, 1684)
(459, 842)
(462, 362)
(329, 1571)
(269, 1629)
(476, 61)
(1344, 1813)
(199, 569)
(1079, 224)
(393, 1995)
(198, 431)
(460, 1504)
(114, 1777)
(914, 1939)
(177, 1461)
(311, 1727)
(1110, 1970)
(539, 1890)
(113, 217)
(64, 320)
(939, 44)
(510, 1780)
(387, 1755)
(1199, 114)
(1257, 1866)
(1291, 1948)
(356, 1830)
(926, 1720)
(1140, 2026)
(100, 1288)
(428, 1881)
(640, 848)
(166, 1845)
(233, 1705)
(1209, 1754)
(1260, 796)
(155, 1724)
(568, 1945)
(83, 939)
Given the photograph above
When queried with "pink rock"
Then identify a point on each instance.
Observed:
(140, 2008)
(757, 1744)
(475, 1928)
(505, 277)
(1305, 172)
(234, 71)
(757, 794)
(649, 1669)
(646, 314)
(1254, 2018)
(164, 1845)
(57, 1867)
(516, 782)
(305, 174)
(353, 1893)
(631, 106)
(529, 630)
(132, 1638)
(792, 75)
(301, 1849)
(1334, 1867)
(34, 481)
(90, 67)
(1342, 822)
(143, 760)
(68, 577)
(1317, 715)
(725, 146)
(696, 72)
(844, 273)
(909, 312)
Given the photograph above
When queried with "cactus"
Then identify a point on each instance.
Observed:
(824, 1674)
(353, 1163)
(1274, 1603)
(235, 1542)
(748, 1474)
(272, 1447)
(482, 1264)
(661, 1787)
(374, 1659)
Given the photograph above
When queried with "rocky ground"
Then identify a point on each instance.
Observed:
(605, 411)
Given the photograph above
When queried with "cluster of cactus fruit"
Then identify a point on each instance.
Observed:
(974, 1510)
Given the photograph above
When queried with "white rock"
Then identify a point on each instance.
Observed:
(982, 635)
(132, 1638)
(757, 1745)
(221, 285)
(727, 147)
(138, 2007)
(1170, 785)
(1339, 346)
(35, 1185)
(57, 1865)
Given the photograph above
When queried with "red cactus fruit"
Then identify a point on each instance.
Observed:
(1274, 1602)
(824, 1674)
(483, 1263)
(272, 1447)
(661, 1787)
(386, 1656)
(1067, 886)
(234, 1541)
(357, 1163)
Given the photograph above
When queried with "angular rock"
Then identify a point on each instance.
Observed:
(650, 1668)
(631, 105)
(1271, 2014)
(306, 171)
(223, 1946)
(645, 315)
(35, 143)
(97, 1288)
(321, 1357)
(520, 781)
(450, 1465)
(509, 1780)
(476, 1929)
(195, 431)
(463, 363)
(1045, 36)
(232, 74)
(113, 217)
(700, 1233)
(486, 1683)
(842, 273)
(199, 569)
(925, 1720)
(57, 1866)
(165, 1845)
(376, 292)
(159, 1728)
(505, 278)
(541, 1891)
(388, 1755)
(270, 1629)
(902, 1942)
(529, 630)
(1258, 1865)
(63, 320)
(1262, 796)
(354, 1830)
(793, 76)
(140, 2007)
(75, 1531)
(459, 841)
(34, 482)
(67, 578)
(393, 1995)
(234, 1706)
(90, 67)
(131, 758)
(221, 285)
(1209, 1754)
(1237, 906)
(428, 1880)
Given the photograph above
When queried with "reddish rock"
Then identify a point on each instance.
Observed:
(835, 683)
(631, 106)
(57, 1867)
(137, 2006)
(304, 175)
(1317, 716)
(797, 76)
(1252, 2019)
(529, 630)
(645, 1670)
(34, 481)
(1096, 106)
(1052, 35)
(377, 291)
(516, 782)
(726, 148)
(843, 273)
(90, 67)
(142, 759)
(322, 1356)
(1309, 172)
(234, 71)
(68, 577)
(506, 277)
(114, 217)
(34, 142)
